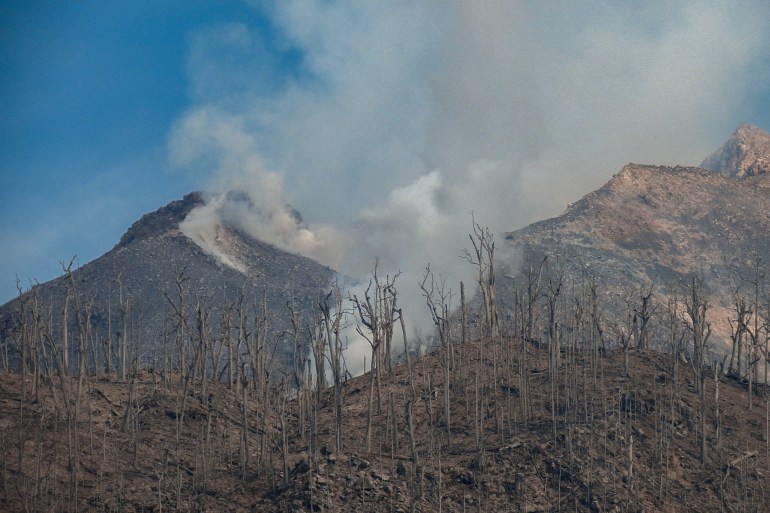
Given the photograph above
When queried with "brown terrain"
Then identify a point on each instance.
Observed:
(597, 440)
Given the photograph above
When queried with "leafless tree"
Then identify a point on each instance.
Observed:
(529, 312)
(624, 332)
(332, 319)
(644, 312)
(553, 292)
(81, 321)
(300, 382)
(226, 327)
(260, 352)
(555, 282)
(754, 331)
(483, 257)
(675, 336)
(181, 328)
(202, 342)
(376, 316)
(438, 299)
(318, 343)
(696, 307)
(123, 336)
(596, 333)
(738, 327)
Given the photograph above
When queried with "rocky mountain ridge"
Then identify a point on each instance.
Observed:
(159, 221)
(660, 225)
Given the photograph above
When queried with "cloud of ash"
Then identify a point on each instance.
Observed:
(392, 121)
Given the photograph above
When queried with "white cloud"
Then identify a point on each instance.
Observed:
(403, 117)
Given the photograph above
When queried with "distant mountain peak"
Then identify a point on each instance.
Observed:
(745, 154)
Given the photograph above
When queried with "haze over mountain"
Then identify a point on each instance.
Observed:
(510, 425)
(660, 225)
(647, 225)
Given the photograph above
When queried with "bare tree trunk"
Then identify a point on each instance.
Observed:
(437, 300)
(376, 316)
(332, 319)
(368, 433)
(406, 353)
(483, 258)
(284, 442)
(65, 339)
(181, 326)
(645, 312)
(696, 306)
(244, 429)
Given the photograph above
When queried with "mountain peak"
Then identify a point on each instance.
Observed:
(745, 154)
(166, 217)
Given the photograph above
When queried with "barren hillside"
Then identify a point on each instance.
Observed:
(654, 225)
(595, 439)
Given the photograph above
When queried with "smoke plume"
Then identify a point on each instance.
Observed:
(390, 122)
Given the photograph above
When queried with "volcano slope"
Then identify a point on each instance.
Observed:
(596, 434)
(153, 285)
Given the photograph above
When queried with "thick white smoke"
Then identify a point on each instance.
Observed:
(392, 121)
(259, 208)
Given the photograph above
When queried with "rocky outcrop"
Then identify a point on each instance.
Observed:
(745, 154)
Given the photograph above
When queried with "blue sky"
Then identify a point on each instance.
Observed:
(397, 117)
(89, 91)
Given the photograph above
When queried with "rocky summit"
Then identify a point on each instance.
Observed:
(745, 154)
